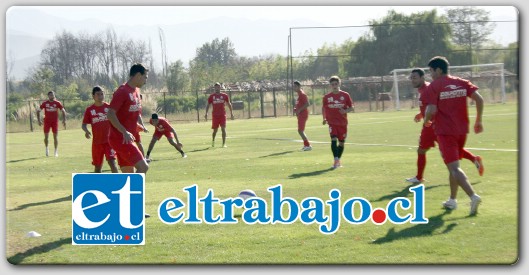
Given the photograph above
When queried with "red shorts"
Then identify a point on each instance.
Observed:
(339, 132)
(218, 121)
(102, 150)
(137, 136)
(302, 120)
(427, 138)
(451, 147)
(128, 154)
(158, 135)
(53, 125)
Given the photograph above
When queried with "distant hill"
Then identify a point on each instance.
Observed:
(250, 37)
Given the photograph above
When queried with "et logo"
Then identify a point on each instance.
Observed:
(108, 209)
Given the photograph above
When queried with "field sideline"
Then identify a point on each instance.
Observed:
(261, 153)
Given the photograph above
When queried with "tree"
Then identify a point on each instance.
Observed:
(470, 26)
(177, 78)
(220, 52)
(41, 80)
(399, 41)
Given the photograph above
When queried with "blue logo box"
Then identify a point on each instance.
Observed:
(108, 209)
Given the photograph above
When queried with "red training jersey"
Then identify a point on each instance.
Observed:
(126, 102)
(51, 110)
(218, 100)
(163, 125)
(332, 103)
(302, 100)
(450, 94)
(422, 97)
(97, 117)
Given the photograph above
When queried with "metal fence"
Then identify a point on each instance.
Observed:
(370, 95)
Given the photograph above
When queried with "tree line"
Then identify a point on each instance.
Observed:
(72, 63)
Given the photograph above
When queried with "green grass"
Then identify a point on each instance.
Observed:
(261, 154)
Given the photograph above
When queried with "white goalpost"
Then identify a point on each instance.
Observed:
(491, 77)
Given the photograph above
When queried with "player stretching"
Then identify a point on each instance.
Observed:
(447, 99)
(218, 100)
(163, 128)
(427, 137)
(51, 119)
(96, 116)
(302, 112)
(335, 107)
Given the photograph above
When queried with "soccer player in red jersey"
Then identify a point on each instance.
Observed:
(335, 107)
(96, 116)
(219, 101)
(51, 120)
(447, 99)
(302, 113)
(125, 107)
(427, 137)
(163, 128)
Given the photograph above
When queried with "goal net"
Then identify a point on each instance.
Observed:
(490, 78)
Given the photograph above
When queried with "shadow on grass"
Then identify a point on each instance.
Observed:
(310, 174)
(44, 248)
(403, 193)
(19, 160)
(419, 230)
(198, 150)
(24, 206)
(277, 154)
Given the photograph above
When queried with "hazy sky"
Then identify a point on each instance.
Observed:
(327, 15)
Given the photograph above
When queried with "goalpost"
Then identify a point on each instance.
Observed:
(490, 78)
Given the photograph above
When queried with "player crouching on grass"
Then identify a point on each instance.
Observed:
(163, 128)
(335, 107)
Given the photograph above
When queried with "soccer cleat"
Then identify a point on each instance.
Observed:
(213, 144)
(224, 146)
(147, 215)
(414, 180)
(479, 164)
(336, 164)
(47, 152)
(306, 148)
(184, 155)
(148, 159)
(56, 153)
(450, 204)
(475, 200)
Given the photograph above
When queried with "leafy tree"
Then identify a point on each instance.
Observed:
(177, 77)
(470, 27)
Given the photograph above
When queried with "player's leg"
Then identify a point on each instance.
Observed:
(301, 131)
(215, 126)
(46, 134)
(97, 157)
(222, 123)
(151, 146)
(477, 160)
(223, 129)
(110, 156)
(140, 147)
(427, 140)
(173, 143)
(56, 142)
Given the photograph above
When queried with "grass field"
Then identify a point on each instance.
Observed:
(261, 153)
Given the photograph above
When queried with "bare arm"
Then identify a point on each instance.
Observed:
(207, 108)
(140, 121)
(428, 114)
(323, 114)
(87, 133)
(38, 117)
(127, 137)
(305, 106)
(231, 109)
(63, 117)
(478, 125)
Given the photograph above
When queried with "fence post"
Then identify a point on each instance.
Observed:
(249, 107)
(164, 106)
(198, 112)
(30, 116)
(262, 102)
(274, 95)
